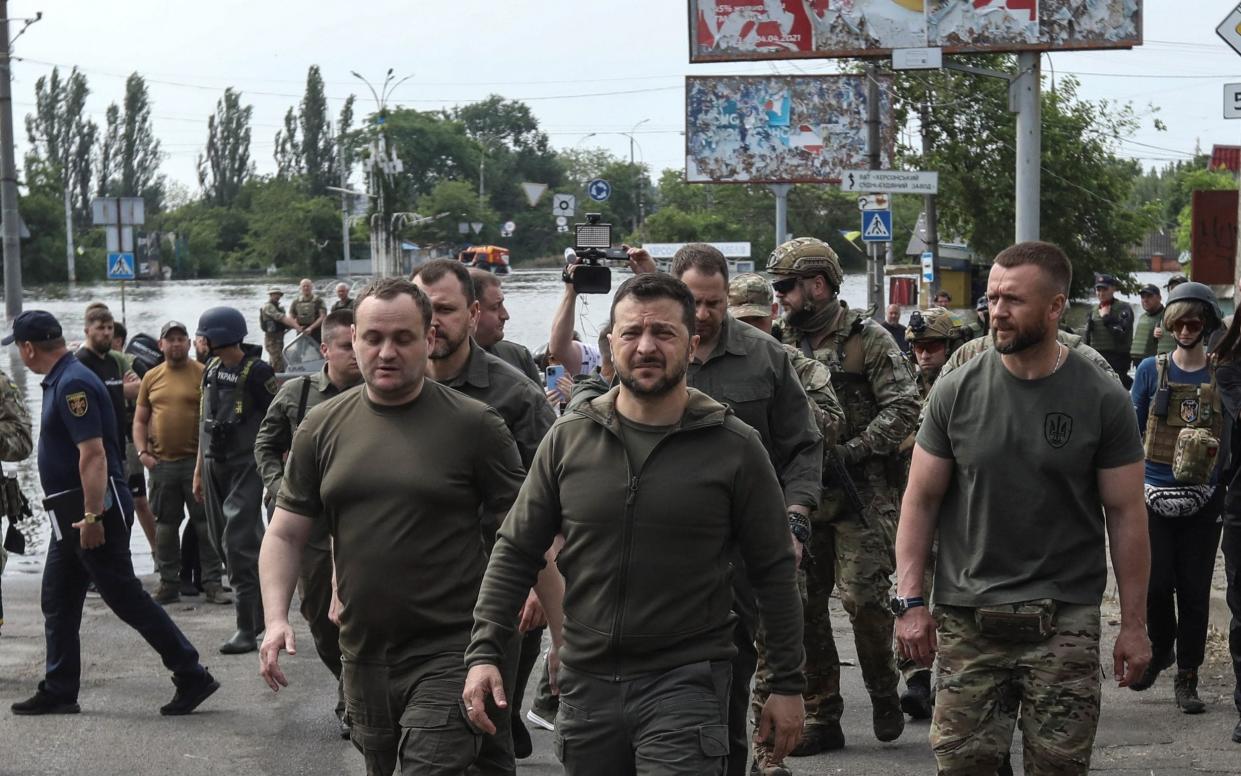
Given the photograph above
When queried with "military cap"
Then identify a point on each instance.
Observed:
(1104, 280)
(932, 323)
(274, 290)
(1175, 281)
(749, 296)
(806, 256)
(1150, 289)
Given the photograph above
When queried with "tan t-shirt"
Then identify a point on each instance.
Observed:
(403, 490)
(172, 396)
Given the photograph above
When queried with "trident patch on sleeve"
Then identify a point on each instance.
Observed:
(77, 404)
(271, 385)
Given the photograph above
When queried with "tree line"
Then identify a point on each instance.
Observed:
(469, 162)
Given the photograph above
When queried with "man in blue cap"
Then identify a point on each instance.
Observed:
(82, 472)
(1109, 329)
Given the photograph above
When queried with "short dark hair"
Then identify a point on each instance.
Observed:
(49, 346)
(391, 288)
(119, 330)
(605, 345)
(707, 259)
(1046, 256)
(335, 321)
(656, 285)
(483, 280)
(98, 312)
(437, 269)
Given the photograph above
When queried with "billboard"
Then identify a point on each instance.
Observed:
(779, 129)
(730, 30)
(1213, 239)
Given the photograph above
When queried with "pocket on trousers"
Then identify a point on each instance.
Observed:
(427, 717)
(713, 740)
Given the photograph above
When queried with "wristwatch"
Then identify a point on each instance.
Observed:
(901, 605)
(799, 526)
(90, 518)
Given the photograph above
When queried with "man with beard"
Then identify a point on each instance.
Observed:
(403, 471)
(648, 632)
(275, 438)
(489, 331)
(1109, 329)
(458, 362)
(880, 398)
(1015, 634)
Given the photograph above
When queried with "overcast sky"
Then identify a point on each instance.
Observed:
(584, 66)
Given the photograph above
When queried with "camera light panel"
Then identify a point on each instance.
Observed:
(593, 235)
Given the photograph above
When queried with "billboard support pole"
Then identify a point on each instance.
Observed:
(929, 204)
(781, 190)
(8, 178)
(1026, 100)
(874, 274)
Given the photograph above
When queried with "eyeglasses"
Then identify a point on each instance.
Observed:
(1189, 324)
(784, 285)
(927, 346)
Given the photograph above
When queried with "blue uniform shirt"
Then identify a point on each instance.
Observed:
(76, 407)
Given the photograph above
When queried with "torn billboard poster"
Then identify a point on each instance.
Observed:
(730, 30)
(779, 129)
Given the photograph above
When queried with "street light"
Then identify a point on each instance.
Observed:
(381, 164)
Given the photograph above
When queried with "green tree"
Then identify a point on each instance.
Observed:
(226, 165)
(138, 154)
(294, 232)
(312, 154)
(460, 201)
(1187, 181)
(61, 137)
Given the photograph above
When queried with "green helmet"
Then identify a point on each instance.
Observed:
(806, 256)
(1190, 291)
(933, 323)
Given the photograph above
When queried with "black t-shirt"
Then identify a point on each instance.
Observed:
(111, 369)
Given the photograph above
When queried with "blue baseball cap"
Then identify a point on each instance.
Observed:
(34, 326)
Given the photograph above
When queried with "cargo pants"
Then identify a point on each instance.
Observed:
(314, 585)
(274, 345)
(233, 497)
(984, 685)
(172, 495)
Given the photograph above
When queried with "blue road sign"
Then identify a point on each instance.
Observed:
(599, 190)
(120, 266)
(928, 267)
(877, 226)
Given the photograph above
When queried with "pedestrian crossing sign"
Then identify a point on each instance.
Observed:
(120, 266)
(877, 226)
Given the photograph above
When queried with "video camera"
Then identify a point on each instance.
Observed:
(592, 245)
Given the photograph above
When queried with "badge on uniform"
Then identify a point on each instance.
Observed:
(1189, 410)
(77, 404)
(271, 385)
(1057, 429)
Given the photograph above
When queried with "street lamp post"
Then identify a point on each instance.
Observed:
(384, 164)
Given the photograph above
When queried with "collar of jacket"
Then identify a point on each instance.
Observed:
(701, 411)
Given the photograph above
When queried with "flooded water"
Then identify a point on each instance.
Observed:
(532, 297)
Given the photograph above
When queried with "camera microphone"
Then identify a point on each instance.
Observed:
(570, 256)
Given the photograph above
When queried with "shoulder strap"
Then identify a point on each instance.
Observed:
(301, 403)
(1161, 370)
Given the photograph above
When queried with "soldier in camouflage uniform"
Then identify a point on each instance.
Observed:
(274, 322)
(308, 310)
(854, 551)
(16, 442)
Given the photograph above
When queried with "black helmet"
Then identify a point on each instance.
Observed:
(1196, 292)
(981, 304)
(222, 326)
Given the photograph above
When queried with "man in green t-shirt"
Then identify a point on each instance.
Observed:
(1027, 456)
(405, 472)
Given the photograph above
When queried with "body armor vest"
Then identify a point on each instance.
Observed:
(842, 354)
(1176, 407)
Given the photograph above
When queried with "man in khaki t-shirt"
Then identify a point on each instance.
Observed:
(403, 470)
(166, 435)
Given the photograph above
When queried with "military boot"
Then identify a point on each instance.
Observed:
(1186, 689)
(816, 738)
(917, 700)
(245, 639)
(887, 717)
(764, 765)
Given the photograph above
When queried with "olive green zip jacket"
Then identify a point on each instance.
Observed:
(646, 554)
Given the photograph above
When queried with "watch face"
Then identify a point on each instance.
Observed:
(898, 606)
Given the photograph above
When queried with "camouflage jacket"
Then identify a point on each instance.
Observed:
(816, 381)
(872, 378)
(16, 441)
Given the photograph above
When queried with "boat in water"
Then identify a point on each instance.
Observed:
(492, 258)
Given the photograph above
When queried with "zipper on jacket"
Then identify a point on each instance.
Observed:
(626, 545)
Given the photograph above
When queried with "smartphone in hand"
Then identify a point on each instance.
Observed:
(553, 374)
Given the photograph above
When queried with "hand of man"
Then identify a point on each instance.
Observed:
(144, 457)
(1131, 655)
(915, 632)
(278, 637)
(640, 260)
(781, 724)
(532, 615)
(198, 487)
(482, 681)
(849, 455)
(553, 669)
(334, 609)
(1158, 332)
(90, 536)
(797, 551)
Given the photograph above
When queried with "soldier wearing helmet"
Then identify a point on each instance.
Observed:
(880, 398)
(238, 387)
(932, 336)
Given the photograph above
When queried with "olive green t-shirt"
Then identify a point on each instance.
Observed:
(1022, 517)
(403, 489)
(639, 440)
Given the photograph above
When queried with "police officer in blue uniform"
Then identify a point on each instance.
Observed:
(238, 387)
(80, 458)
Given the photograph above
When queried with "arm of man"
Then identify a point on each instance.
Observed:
(142, 439)
(318, 321)
(275, 435)
(761, 534)
(795, 438)
(280, 559)
(16, 439)
(560, 343)
(929, 476)
(1120, 489)
(896, 394)
(263, 386)
(93, 471)
(130, 383)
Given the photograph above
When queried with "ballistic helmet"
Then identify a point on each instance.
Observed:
(931, 324)
(806, 257)
(1191, 291)
(222, 326)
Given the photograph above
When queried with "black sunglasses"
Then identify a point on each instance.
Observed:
(784, 285)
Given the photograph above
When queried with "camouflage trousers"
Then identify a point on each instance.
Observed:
(274, 345)
(984, 685)
(858, 560)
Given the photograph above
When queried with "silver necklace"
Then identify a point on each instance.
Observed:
(1061, 349)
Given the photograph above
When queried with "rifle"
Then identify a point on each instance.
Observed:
(836, 475)
(17, 507)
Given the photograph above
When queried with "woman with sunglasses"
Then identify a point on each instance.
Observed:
(1186, 438)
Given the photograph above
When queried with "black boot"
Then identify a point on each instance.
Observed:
(1186, 689)
(916, 700)
(245, 639)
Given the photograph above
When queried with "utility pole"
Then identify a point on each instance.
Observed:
(69, 260)
(929, 205)
(781, 190)
(874, 270)
(8, 178)
(1027, 102)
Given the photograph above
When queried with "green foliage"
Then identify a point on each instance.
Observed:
(460, 201)
(61, 138)
(1187, 181)
(312, 156)
(296, 233)
(226, 165)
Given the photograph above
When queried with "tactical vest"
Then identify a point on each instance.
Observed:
(210, 406)
(270, 317)
(303, 310)
(1099, 336)
(843, 355)
(1178, 406)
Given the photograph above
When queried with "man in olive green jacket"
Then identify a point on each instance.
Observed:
(646, 524)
